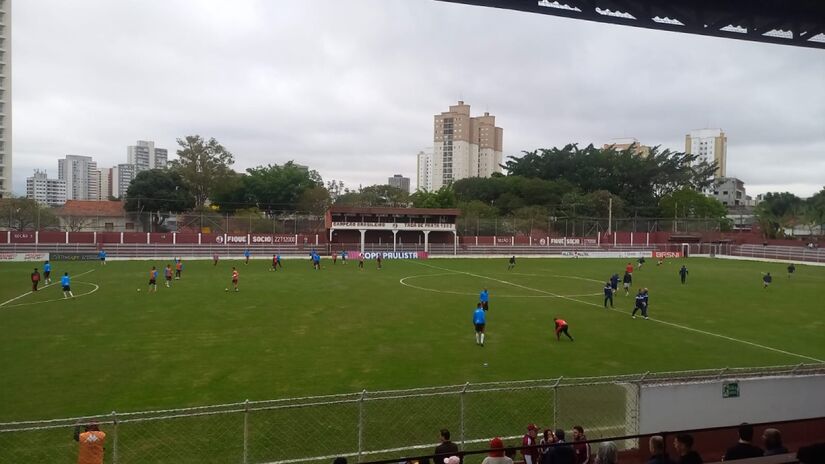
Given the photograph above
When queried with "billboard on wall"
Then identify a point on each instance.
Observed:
(390, 254)
(24, 256)
(255, 239)
(668, 254)
(73, 256)
(607, 254)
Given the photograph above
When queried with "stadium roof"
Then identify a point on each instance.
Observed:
(798, 23)
(384, 211)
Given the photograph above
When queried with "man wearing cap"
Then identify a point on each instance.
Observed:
(562, 453)
(497, 453)
(528, 445)
(91, 444)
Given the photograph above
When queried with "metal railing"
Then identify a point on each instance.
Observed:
(368, 425)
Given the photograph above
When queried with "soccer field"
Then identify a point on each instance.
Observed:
(300, 332)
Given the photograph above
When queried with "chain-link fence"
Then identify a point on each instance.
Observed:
(362, 426)
(582, 226)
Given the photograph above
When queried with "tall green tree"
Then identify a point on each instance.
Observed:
(25, 214)
(271, 188)
(441, 198)
(156, 193)
(203, 164)
(686, 203)
(777, 212)
(815, 212)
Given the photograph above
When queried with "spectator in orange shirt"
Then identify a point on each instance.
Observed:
(91, 444)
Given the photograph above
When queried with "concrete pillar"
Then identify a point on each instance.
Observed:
(426, 241)
(363, 238)
(394, 241)
(455, 243)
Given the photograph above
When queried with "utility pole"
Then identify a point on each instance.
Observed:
(610, 216)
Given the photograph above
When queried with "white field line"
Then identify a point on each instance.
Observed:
(41, 288)
(403, 280)
(671, 324)
(96, 288)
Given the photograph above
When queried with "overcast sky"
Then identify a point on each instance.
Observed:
(350, 87)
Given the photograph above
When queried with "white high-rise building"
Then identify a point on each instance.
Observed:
(145, 156)
(5, 100)
(122, 176)
(425, 171)
(48, 192)
(711, 145)
(464, 146)
(105, 184)
(81, 176)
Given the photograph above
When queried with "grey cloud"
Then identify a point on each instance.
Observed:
(349, 88)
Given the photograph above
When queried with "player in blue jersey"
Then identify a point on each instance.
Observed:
(246, 255)
(484, 299)
(316, 261)
(479, 321)
(66, 283)
(683, 273)
(102, 256)
(608, 294)
(614, 282)
(344, 255)
(47, 272)
(766, 280)
(640, 305)
(278, 260)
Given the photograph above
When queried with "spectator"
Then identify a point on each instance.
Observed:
(530, 453)
(657, 451)
(446, 447)
(580, 445)
(744, 449)
(772, 440)
(607, 453)
(547, 439)
(91, 442)
(562, 453)
(683, 443)
(497, 453)
(340, 460)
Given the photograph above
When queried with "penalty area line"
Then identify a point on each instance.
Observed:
(32, 303)
(41, 288)
(659, 321)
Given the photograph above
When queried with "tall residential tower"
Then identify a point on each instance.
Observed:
(5, 99)
(464, 146)
(711, 145)
(145, 156)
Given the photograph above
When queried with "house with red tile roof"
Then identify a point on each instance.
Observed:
(96, 216)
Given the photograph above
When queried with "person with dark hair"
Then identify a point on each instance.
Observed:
(561, 328)
(627, 282)
(744, 449)
(614, 282)
(547, 439)
(35, 279)
(562, 453)
(683, 443)
(530, 453)
(512, 263)
(791, 270)
(766, 280)
(446, 448)
(608, 294)
(657, 451)
(484, 298)
(580, 445)
(91, 442)
(683, 273)
(479, 321)
(772, 440)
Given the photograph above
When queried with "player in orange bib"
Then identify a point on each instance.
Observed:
(91, 444)
(561, 328)
(178, 268)
(235, 278)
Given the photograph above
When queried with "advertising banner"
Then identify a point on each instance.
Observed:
(668, 254)
(24, 256)
(607, 254)
(389, 254)
(73, 256)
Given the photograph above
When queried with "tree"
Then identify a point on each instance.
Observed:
(203, 165)
(25, 214)
(778, 211)
(441, 198)
(279, 187)
(686, 203)
(158, 192)
(815, 213)
(314, 200)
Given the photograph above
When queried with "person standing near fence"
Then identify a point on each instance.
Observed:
(496, 453)
(214, 259)
(91, 442)
(35, 279)
(528, 442)
(446, 448)
(246, 255)
(479, 321)
(580, 445)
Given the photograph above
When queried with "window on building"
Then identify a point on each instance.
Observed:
(130, 226)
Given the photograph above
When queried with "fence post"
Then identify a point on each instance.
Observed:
(461, 396)
(115, 459)
(556, 401)
(246, 432)
(361, 424)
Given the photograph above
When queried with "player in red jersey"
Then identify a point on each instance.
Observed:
(561, 328)
(629, 268)
(235, 278)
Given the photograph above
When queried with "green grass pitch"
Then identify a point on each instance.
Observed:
(299, 332)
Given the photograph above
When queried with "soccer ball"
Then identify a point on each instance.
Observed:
(226, 289)
(138, 289)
